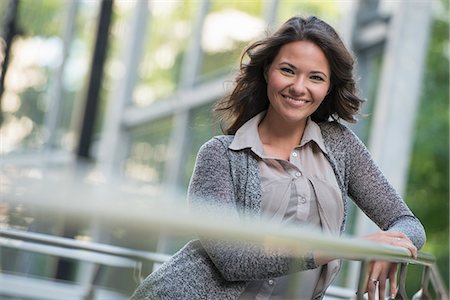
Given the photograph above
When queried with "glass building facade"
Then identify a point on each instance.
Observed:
(166, 64)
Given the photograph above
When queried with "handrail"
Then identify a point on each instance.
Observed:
(78, 254)
(83, 245)
(55, 242)
(160, 215)
(96, 253)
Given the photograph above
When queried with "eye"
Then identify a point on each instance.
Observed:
(317, 77)
(287, 70)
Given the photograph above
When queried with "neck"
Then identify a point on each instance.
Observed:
(279, 138)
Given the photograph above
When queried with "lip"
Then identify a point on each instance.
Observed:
(296, 102)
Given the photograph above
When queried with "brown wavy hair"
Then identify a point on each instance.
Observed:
(249, 96)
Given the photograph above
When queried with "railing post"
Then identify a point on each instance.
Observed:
(423, 293)
(401, 293)
(90, 294)
(137, 274)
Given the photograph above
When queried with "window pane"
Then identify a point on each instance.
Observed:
(326, 10)
(33, 76)
(34, 56)
(202, 127)
(148, 152)
(169, 30)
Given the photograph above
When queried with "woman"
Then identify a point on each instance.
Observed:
(286, 158)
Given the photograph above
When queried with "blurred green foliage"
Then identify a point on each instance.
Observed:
(45, 13)
(428, 184)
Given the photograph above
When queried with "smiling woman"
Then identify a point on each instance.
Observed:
(287, 160)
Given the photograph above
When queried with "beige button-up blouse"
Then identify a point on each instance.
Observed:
(301, 190)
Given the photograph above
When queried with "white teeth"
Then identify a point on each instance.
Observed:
(297, 100)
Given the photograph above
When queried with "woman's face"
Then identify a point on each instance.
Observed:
(297, 81)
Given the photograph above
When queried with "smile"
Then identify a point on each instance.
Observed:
(299, 101)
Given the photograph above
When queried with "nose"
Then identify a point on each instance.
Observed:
(298, 87)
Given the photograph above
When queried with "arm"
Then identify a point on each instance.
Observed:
(376, 197)
(212, 186)
(372, 192)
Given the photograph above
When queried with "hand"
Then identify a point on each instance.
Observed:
(398, 239)
(380, 271)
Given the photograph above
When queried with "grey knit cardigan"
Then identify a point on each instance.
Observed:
(230, 179)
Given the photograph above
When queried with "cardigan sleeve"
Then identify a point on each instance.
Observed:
(211, 189)
(372, 192)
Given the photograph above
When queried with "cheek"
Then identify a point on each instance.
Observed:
(321, 93)
(317, 104)
(275, 81)
(273, 86)
(271, 82)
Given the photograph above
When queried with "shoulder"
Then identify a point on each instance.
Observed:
(333, 129)
(217, 144)
(216, 150)
(340, 139)
(337, 134)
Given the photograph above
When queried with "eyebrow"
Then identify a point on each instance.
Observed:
(295, 68)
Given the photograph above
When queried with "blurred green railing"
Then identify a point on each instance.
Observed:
(347, 248)
(106, 203)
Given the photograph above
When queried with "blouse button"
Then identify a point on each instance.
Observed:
(270, 282)
(302, 199)
(298, 174)
(294, 154)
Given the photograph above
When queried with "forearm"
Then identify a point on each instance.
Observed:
(248, 261)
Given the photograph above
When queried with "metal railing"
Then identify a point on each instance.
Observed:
(166, 216)
(349, 248)
(99, 255)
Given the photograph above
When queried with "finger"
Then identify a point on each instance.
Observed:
(399, 239)
(372, 283)
(381, 288)
(395, 235)
(413, 251)
(409, 246)
(371, 288)
(368, 280)
(370, 272)
(393, 281)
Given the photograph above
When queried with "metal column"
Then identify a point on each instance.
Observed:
(399, 91)
(95, 80)
(115, 138)
(9, 31)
